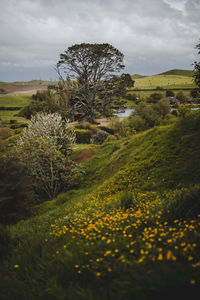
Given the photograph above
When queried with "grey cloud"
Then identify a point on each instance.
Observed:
(154, 35)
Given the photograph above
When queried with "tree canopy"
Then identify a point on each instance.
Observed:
(197, 68)
(94, 66)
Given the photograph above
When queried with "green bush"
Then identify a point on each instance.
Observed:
(83, 136)
(111, 138)
(16, 191)
(31, 109)
(107, 129)
(138, 123)
(84, 126)
(100, 137)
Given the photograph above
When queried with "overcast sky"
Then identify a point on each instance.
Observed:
(154, 35)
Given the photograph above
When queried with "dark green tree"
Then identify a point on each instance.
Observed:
(154, 98)
(197, 68)
(94, 67)
(169, 93)
(181, 97)
(194, 93)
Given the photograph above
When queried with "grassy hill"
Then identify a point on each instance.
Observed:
(31, 82)
(10, 106)
(179, 72)
(130, 231)
(172, 79)
(164, 81)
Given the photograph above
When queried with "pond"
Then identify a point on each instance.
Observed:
(124, 113)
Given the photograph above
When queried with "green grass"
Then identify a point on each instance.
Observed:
(7, 115)
(164, 81)
(19, 100)
(32, 82)
(187, 73)
(112, 238)
(9, 101)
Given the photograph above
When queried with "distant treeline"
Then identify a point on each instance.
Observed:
(10, 108)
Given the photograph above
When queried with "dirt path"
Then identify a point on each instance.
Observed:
(29, 89)
(85, 154)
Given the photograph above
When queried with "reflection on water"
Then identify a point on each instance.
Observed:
(124, 113)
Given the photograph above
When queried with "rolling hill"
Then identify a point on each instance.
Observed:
(129, 231)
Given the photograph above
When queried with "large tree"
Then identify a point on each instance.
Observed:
(94, 66)
(197, 68)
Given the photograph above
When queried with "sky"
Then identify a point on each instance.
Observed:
(154, 35)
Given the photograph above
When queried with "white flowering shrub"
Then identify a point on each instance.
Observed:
(43, 150)
(51, 127)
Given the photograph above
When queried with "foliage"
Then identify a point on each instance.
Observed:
(197, 68)
(194, 93)
(93, 65)
(88, 247)
(154, 98)
(99, 137)
(83, 136)
(184, 111)
(50, 169)
(137, 122)
(170, 93)
(107, 129)
(52, 127)
(151, 113)
(16, 190)
(122, 128)
(43, 148)
(111, 138)
(32, 109)
(181, 97)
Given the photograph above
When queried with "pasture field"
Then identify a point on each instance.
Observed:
(32, 82)
(13, 101)
(130, 230)
(164, 81)
(7, 115)
(16, 100)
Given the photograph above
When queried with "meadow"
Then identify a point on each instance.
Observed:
(15, 102)
(129, 231)
(164, 81)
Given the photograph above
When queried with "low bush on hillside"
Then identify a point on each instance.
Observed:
(83, 136)
(99, 137)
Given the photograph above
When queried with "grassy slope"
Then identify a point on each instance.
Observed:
(164, 81)
(19, 100)
(188, 73)
(98, 250)
(32, 82)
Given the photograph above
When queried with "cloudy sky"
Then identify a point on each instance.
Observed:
(154, 35)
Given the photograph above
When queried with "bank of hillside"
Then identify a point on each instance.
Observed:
(130, 231)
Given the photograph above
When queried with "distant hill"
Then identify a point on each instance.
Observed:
(137, 76)
(179, 72)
